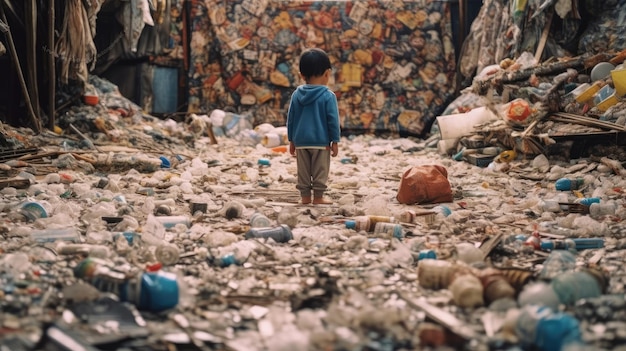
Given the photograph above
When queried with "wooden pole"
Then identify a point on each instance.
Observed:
(51, 67)
(31, 53)
(20, 75)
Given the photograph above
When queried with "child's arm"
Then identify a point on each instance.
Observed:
(292, 148)
(334, 149)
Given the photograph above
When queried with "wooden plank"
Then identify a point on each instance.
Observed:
(488, 245)
(18, 183)
(442, 317)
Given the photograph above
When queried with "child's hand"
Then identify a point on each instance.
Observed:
(292, 148)
(334, 149)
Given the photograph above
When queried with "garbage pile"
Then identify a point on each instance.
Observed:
(148, 234)
(568, 108)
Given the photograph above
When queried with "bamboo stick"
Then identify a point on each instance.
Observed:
(31, 53)
(20, 74)
(51, 67)
(586, 121)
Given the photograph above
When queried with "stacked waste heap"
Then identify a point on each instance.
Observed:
(122, 231)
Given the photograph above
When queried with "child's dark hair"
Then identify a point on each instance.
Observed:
(314, 62)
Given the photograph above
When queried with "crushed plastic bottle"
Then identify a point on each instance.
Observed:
(557, 263)
(280, 234)
(575, 285)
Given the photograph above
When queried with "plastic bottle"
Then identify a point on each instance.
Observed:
(259, 220)
(172, 221)
(198, 207)
(376, 219)
(598, 210)
(546, 329)
(566, 184)
(558, 262)
(162, 210)
(389, 230)
(51, 235)
(167, 254)
(359, 223)
(551, 206)
(572, 244)
(280, 234)
(467, 291)
(99, 251)
(437, 274)
(151, 291)
(233, 209)
(575, 285)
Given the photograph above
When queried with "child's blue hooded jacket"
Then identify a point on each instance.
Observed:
(313, 117)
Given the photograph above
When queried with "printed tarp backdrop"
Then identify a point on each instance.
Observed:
(393, 61)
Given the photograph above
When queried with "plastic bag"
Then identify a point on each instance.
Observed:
(424, 184)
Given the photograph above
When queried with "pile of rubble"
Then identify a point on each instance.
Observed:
(122, 231)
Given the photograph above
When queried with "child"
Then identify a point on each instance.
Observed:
(313, 126)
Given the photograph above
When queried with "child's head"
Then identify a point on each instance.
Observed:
(314, 62)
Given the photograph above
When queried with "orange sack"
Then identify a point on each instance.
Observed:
(424, 184)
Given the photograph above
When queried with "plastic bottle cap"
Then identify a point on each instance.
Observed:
(33, 211)
(350, 224)
(165, 163)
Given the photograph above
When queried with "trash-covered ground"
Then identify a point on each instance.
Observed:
(117, 200)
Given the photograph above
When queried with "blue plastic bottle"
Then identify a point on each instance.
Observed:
(150, 291)
(546, 329)
(565, 184)
(572, 244)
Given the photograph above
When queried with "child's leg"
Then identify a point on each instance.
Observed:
(320, 168)
(303, 162)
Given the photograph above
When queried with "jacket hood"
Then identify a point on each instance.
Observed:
(306, 94)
